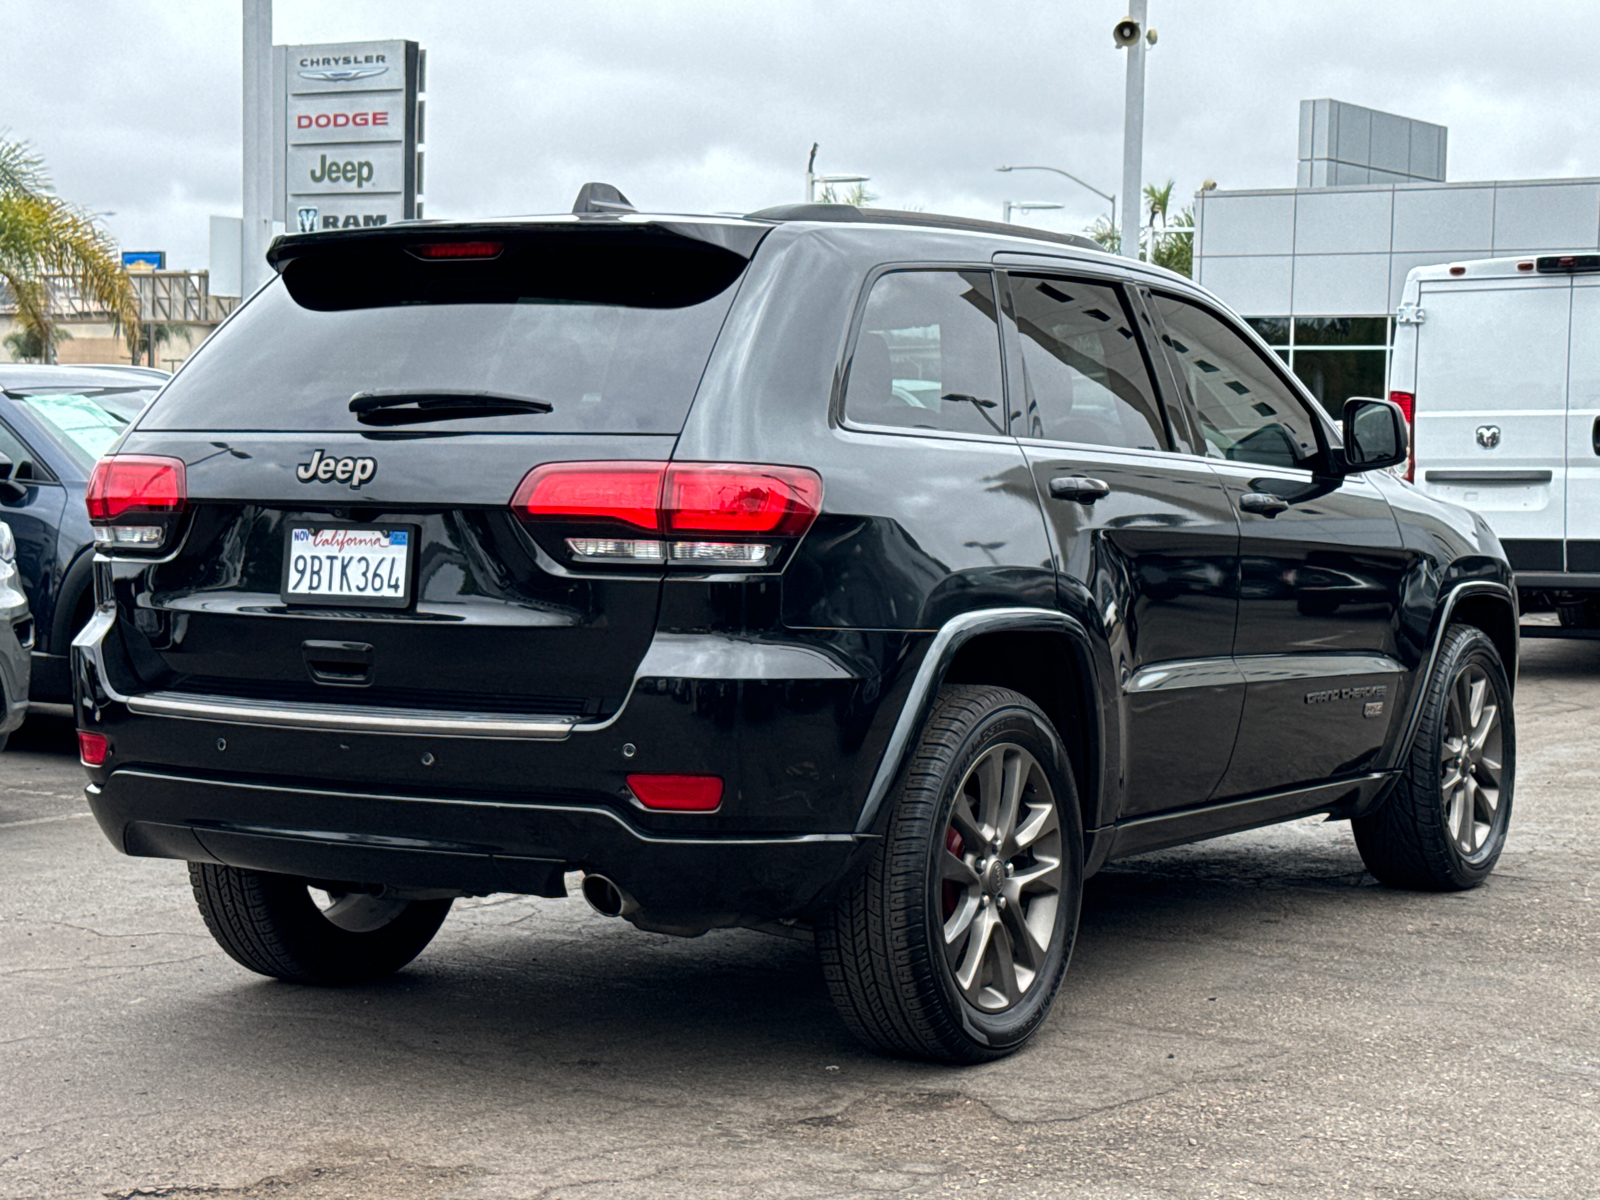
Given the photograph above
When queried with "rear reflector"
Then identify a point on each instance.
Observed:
(133, 483)
(458, 250)
(93, 748)
(677, 793)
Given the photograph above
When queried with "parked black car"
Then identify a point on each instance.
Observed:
(874, 574)
(54, 422)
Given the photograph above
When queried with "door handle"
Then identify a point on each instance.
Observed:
(1079, 487)
(1264, 503)
(1595, 435)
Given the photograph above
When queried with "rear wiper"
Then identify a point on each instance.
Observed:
(438, 404)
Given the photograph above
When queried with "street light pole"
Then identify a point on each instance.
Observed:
(256, 228)
(1133, 130)
(1112, 200)
(1010, 206)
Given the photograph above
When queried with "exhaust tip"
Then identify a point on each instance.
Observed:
(606, 898)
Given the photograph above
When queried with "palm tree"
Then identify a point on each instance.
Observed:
(42, 235)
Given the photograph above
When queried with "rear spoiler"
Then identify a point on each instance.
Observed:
(734, 235)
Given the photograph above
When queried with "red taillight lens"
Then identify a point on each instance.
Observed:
(457, 250)
(734, 499)
(629, 492)
(1408, 405)
(134, 483)
(93, 748)
(677, 793)
(702, 514)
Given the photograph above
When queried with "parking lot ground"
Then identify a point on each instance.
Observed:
(1250, 1017)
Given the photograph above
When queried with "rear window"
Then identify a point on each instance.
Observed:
(85, 423)
(611, 332)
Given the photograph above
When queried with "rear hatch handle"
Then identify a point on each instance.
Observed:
(339, 664)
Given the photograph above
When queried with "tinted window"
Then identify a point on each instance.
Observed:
(21, 457)
(1083, 372)
(928, 355)
(1247, 414)
(614, 337)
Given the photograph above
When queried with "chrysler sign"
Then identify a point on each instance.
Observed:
(351, 131)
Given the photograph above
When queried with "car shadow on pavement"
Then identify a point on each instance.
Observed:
(47, 730)
(538, 990)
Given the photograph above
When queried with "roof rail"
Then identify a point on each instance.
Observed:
(894, 216)
(601, 198)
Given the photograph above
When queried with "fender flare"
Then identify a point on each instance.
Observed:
(947, 642)
(1457, 592)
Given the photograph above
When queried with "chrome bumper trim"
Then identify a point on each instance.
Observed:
(346, 718)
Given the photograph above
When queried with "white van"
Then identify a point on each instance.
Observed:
(1497, 363)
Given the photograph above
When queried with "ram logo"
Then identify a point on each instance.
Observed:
(1488, 436)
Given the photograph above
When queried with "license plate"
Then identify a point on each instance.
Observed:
(346, 564)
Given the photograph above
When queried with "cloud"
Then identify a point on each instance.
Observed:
(709, 105)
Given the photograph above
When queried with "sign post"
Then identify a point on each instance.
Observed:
(352, 131)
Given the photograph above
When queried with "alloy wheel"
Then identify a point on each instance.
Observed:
(999, 877)
(1471, 759)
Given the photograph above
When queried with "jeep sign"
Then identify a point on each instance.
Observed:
(351, 129)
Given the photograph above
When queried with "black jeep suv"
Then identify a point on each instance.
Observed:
(870, 575)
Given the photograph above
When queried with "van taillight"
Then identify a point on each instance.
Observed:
(134, 501)
(1408, 405)
(686, 514)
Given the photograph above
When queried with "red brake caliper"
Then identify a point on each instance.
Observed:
(951, 896)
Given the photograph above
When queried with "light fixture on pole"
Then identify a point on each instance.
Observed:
(812, 178)
(1133, 34)
(1112, 200)
(1010, 206)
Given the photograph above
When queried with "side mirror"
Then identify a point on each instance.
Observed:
(1375, 435)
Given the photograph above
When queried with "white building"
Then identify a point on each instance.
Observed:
(1318, 269)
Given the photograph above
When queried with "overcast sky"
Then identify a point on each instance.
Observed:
(707, 105)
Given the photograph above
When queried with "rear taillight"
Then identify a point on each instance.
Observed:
(135, 500)
(1408, 406)
(684, 514)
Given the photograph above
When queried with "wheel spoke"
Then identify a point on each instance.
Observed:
(1477, 687)
(1029, 950)
(1017, 770)
(1468, 836)
(969, 972)
(990, 774)
(1003, 957)
(966, 824)
(953, 869)
(1483, 728)
(1041, 820)
(959, 923)
(1043, 876)
(1456, 717)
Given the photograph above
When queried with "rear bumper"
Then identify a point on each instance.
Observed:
(468, 845)
(796, 732)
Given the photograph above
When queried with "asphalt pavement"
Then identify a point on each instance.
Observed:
(1249, 1017)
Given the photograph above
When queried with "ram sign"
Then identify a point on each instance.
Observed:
(352, 124)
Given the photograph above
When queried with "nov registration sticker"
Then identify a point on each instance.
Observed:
(348, 565)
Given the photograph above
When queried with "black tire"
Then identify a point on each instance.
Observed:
(882, 947)
(272, 925)
(1582, 613)
(1416, 838)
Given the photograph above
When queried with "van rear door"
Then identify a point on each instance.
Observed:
(1583, 430)
(1491, 412)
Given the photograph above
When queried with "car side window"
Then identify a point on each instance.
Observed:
(928, 355)
(1084, 376)
(1247, 414)
(22, 463)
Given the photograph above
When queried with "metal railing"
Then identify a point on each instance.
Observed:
(164, 296)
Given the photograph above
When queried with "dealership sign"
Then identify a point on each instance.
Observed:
(352, 127)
